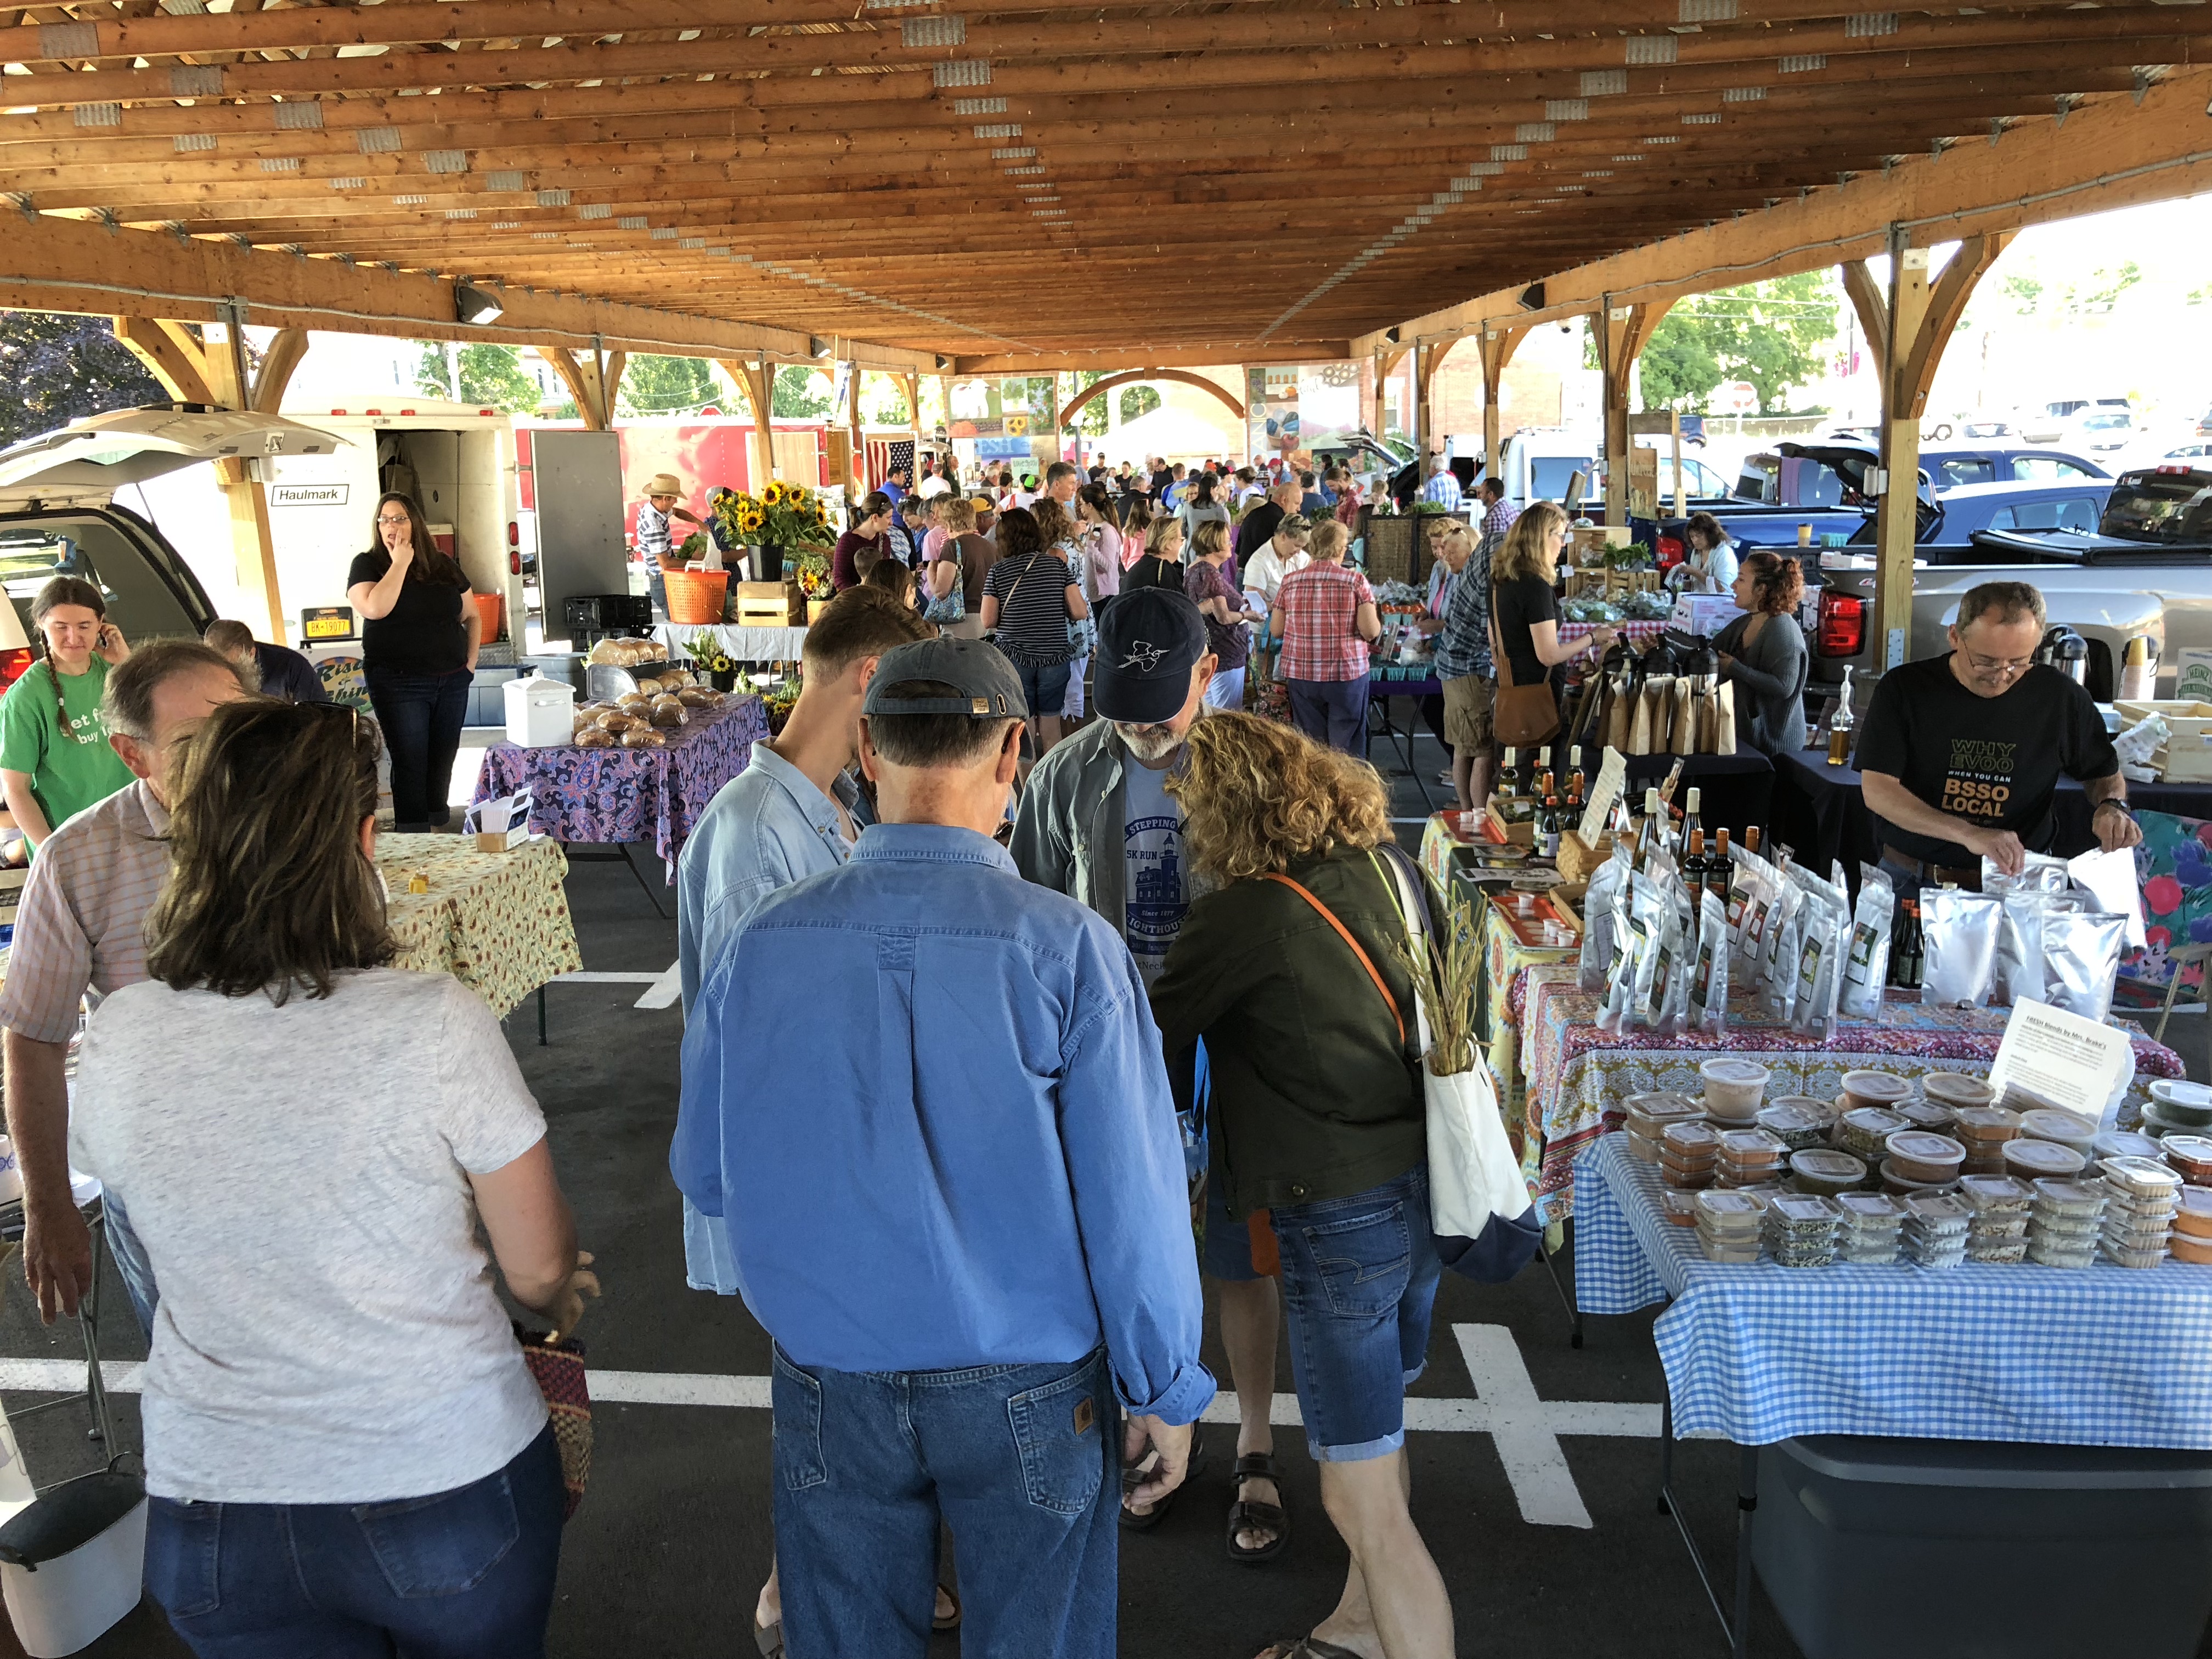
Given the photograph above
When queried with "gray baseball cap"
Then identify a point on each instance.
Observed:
(988, 686)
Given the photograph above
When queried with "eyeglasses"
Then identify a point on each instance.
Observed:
(386, 518)
(1992, 668)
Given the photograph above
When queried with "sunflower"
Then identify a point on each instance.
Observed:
(772, 495)
(752, 521)
(795, 493)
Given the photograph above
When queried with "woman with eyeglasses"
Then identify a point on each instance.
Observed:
(419, 639)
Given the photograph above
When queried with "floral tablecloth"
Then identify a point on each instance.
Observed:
(614, 795)
(498, 922)
(1505, 960)
(1577, 1075)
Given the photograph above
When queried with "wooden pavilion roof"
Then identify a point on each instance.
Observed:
(1265, 179)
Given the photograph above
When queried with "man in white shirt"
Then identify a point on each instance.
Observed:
(1264, 572)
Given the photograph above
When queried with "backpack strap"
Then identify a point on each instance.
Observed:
(1345, 933)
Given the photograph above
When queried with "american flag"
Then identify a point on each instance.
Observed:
(884, 454)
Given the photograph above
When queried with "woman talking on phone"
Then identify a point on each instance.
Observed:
(419, 639)
(54, 757)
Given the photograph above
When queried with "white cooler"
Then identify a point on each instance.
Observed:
(540, 712)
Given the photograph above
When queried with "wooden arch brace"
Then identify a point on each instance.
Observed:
(1498, 346)
(1921, 317)
(194, 370)
(593, 387)
(756, 379)
(1134, 376)
(1622, 333)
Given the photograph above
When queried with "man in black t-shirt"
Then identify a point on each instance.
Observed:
(1961, 753)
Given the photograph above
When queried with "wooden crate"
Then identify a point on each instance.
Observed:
(762, 604)
(2186, 755)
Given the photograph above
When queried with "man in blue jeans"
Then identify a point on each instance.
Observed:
(959, 1209)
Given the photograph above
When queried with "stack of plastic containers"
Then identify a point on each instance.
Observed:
(1728, 1226)
(1920, 1161)
(2191, 1156)
(1733, 1088)
(1800, 1230)
(1687, 1152)
(1884, 1089)
(1999, 1231)
(1748, 1158)
(2192, 1226)
(1647, 1116)
(1872, 1227)
(1936, 1229)
(1984, 1132)
(2177, 1108)
(1864, 1132)
(2068, 1129)
(1955, 1090)
(1799, 1120)
(1827, 1172)
(2042, 1160)
(2146, 1195)
(2065, 1222)
(2128, 1143)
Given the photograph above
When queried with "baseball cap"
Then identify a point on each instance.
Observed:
(1149, 640)
(988, 686)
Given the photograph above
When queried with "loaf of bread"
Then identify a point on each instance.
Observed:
(595, 737)
(643, 737)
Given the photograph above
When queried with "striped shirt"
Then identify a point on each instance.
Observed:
(1032, 596)
(1321, 637)
(653, 535)
(81, 923)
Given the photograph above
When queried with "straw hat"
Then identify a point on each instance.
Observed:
(664, 483)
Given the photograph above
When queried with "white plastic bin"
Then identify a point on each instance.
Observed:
(63, 1602)
(540, 712)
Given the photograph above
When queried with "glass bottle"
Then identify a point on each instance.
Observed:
(1549, 827)
(1692, 823)
(1840, 722)
(1720, 868)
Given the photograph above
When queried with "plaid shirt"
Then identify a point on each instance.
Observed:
(82, 922)
(1499, 519)
(1443, 490)
(1320, 606)
(1463, 648)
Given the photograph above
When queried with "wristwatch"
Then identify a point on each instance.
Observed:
(2120, 801)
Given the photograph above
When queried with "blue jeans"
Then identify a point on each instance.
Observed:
(421, 715)
(1333, 712)
(465, 1574)
(1023, 1462)
(130, 1262)
(1359, 1283)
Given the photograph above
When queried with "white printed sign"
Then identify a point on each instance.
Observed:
(331, 494)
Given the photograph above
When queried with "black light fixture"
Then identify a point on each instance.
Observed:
(472, 304)
(1532, 297)
(1391, 335)
(943, 363)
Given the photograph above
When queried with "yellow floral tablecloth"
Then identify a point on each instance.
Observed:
(498, 922)
(1505, 958)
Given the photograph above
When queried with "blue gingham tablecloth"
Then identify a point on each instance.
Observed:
(2102, 1356)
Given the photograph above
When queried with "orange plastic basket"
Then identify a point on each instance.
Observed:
(696, 596)
(490, 606)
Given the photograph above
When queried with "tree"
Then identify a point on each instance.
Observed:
(1767, 333)
(796, 397)
(667, 385)
(883, 400)
(55, 367)
(1090, 419)
(492, 377)
(1138, 401)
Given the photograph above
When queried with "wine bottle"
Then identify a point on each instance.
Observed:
(1508, 775)
(1692, 823)
(1906, 950)
(1693, 864)
(1654, 828)
(1549, 827)
(1720, 868)
(1751, 840)
(1839, 725)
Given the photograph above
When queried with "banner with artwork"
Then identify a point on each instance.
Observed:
(1291, 408)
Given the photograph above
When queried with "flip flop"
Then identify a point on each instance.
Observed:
(1134, 1475)
(1308, 1647)
(768, 1639)
(1246, 1517)
(951, 1620)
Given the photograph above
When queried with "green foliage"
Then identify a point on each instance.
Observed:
(492, 377)
(1138, 401)
(2032, 296)
(1768, 333)
(58, 367)
(653, 385)
(2024, 292)
(883, 400)
(796, 395)
(1090, 419)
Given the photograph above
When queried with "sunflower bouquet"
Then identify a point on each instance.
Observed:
(781, 515)
(811, 567)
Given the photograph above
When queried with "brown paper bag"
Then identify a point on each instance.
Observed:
(1684, 731)
(1620, 719)
(1649, 734)
(1725, 720)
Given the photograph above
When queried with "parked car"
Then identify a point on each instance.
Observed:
(1803, 475)
(1950, 523)
(2048, 423)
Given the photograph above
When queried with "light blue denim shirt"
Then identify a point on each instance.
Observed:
(765, 829)
(928, 1100)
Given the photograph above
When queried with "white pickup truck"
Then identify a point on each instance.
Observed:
(2145, 570)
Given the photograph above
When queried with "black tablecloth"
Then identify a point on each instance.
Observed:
(1820, 814)
(1733, 790)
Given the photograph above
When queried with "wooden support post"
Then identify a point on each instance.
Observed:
(196, 370)
(1427, 359)
(758, 381)
(910, 383)
(1622, 333)
(589, 383)
(856, 456)
(1498, 346)
(1921, 316)
(1872, 305)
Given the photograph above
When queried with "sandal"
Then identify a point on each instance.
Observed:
(768, 1639)
(951, 1620)
(1246, 1517)
(1134, 1475)
(1308, 1647)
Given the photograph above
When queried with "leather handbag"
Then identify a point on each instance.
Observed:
(1521, 716)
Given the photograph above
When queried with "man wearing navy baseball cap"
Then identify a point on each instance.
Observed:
(1097, 823)
(958, 1206)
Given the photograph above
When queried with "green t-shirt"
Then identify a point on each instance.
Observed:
(66, 776)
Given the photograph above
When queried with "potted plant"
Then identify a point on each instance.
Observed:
(811, 572)
(708, 658)
(783, 517)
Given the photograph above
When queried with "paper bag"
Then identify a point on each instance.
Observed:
(1725, 720)
(1620, 719)
(1684, 731)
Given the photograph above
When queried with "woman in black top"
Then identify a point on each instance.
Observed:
(1160, 565)
(1315, 1116)
(1762, 654)
(1523, 603)
(419, 642)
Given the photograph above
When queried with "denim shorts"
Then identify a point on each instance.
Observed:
(1360, 1284)
(1045, 688)
(1228, 1253)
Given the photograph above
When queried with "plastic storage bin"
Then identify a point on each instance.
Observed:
(2069, 1550)
(72, 1564)
(541, 714)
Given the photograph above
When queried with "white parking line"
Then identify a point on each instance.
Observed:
(666, 989)
(586, 977)
(1526, 1428)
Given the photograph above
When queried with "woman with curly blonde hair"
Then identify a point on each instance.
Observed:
(1289, 971)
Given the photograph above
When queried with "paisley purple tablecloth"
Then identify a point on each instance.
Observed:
(1577, 1075)
(613, 795)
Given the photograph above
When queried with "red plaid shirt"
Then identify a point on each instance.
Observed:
(1320, 640)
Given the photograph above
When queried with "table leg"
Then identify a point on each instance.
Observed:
(1566, 1292)
(1747, 1504)
(631, 859)
(1405, 749)
(541, 1016)
(95, 1387)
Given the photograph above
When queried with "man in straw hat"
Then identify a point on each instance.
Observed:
(662, 491)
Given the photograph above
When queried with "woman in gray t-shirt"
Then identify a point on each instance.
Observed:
(332, 1382)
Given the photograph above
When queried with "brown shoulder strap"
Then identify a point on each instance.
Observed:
(1345, 933)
